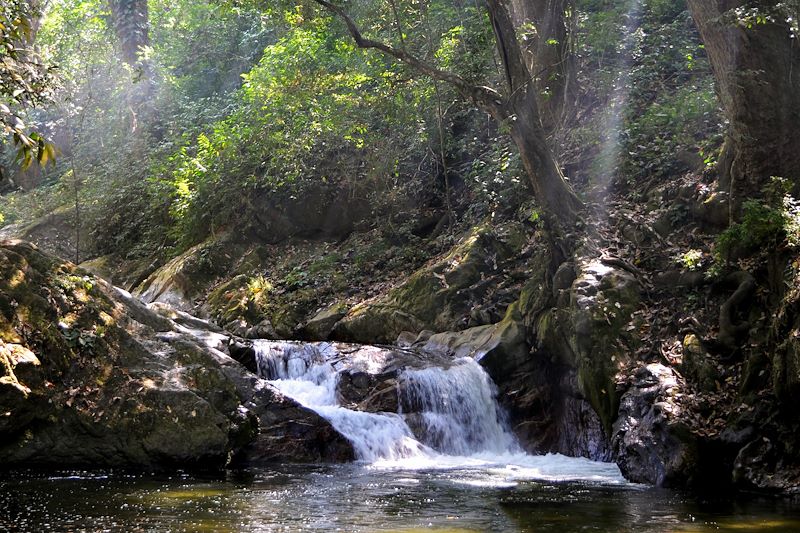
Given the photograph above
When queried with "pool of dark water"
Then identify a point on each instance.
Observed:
(356, 498)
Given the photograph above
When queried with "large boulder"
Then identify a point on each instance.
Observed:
(92, 377)
(786, 366)
(652, 444)
(447, 295)
(500, 348)
(590, 328)
(188, 276)
(320, 326)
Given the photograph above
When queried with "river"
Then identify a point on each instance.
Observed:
(458, 469)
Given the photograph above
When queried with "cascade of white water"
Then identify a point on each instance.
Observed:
(453, 409)
(305, 373)
(458, 409)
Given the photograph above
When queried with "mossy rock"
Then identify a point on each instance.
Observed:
(786, 369)
(321, 325)
(599, 321)
(584, 331)
(187, 277)
(90, 377)
(232, 300)
(500, 348)
(440, 296)
(374, 324)
(125, 273)
(697, 365)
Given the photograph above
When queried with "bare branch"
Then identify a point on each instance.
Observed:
(484, 97)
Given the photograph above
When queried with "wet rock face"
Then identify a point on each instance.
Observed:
(288, 432)
(767, 464)
(373, 393)
(92, 377)
(546, 410)
(602, 301)
(651, 444)
(786, 366)
(550, 416)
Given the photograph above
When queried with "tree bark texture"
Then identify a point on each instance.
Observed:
(756, 65)
(544, 37)
(130, 21)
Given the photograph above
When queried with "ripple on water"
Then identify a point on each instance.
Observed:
(359, 499)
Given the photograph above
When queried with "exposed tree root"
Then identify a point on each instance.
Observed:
(730, 331)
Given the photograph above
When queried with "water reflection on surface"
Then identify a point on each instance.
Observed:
(356, 498)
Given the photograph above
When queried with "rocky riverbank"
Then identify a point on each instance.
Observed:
(93, 378)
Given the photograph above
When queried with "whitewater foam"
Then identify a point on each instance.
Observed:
(459, 424)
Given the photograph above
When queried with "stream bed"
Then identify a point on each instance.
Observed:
(356, 498)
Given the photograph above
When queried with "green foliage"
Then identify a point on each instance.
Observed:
(24, 82)
(673, 115)
(323, 115)
(764, 225)
(297, 278)
(258, 291)
(20, 207)
(115, 129)
(658, 112)
(691, 260)
(249, 108)
(496, 176)
(761, 226)
(677, 123)
(786, 14)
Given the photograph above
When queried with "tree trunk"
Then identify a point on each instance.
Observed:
(521, 111)
(757, 70)
(130, 21)
(543, 28)
(549, 185)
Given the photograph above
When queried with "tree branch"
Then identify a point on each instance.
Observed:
(484, 97)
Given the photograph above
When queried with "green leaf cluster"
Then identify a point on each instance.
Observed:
(25, 82)
(765, 225)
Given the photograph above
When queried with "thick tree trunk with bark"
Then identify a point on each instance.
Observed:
(527, 132)
(521, 111)
(756, 64)
(545, 41)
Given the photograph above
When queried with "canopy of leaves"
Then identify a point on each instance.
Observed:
(24, 80)
(248, 104)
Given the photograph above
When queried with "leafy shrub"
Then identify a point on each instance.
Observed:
(763, 226)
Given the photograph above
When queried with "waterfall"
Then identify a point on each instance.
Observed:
(458, 408)
(306, 373)
(454, 409)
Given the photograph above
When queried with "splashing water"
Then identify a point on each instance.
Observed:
(458, 423)
(458, 409)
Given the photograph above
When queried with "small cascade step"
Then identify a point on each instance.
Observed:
(457, 409)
